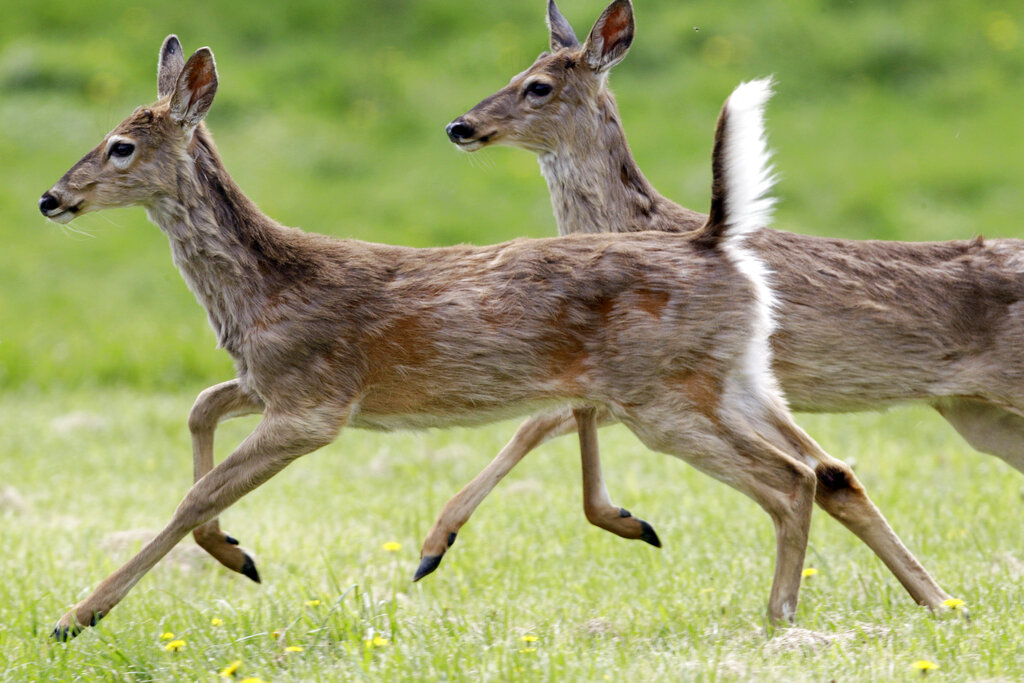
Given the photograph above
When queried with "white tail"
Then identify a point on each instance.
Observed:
(748, 169)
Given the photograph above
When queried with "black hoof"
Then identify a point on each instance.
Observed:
(65, 633)
(249, 569)
(427, 565)
(647, 534)
(228, 538)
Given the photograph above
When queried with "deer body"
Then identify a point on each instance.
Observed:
(859, 325)
(284, 302)
(666, 334)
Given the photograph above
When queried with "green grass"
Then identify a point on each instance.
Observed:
(89, 465)
(892, 121)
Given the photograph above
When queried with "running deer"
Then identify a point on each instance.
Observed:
(860, 325)
(669, 335)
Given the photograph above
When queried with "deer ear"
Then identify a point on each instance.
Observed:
(562, 34)
(172, 60)
(194, 89)
(611, 36)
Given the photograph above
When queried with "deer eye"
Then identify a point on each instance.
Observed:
(122, 149)
(538, 88)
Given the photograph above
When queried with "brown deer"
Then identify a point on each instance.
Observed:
(860, 325)
(667, 334)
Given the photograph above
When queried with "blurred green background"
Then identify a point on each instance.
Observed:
(892, 121)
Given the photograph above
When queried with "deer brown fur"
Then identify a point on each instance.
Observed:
(329, 333)
(861, 325)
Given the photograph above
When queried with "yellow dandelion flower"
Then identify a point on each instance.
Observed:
(377, 641)
(810, 571)
(527, 650)
(167, 636)
(294, 648)
(252, 679)
(216, 622)
(954, 603)
(529, 639)
(229, 670)
(924, 665)
(312, 603)
(392, 546)
(174, 645)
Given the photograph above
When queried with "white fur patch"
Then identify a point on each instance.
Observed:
(749, 179)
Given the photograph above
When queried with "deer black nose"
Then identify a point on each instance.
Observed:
(48, 203)
(459, 130)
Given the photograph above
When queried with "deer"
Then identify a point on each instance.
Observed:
(861, 325)
(667, 334)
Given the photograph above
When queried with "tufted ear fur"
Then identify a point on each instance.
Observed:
(194, 89)
(611, 36)
(562, 34)
(172, 61)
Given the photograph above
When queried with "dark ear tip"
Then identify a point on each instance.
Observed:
(171, 45)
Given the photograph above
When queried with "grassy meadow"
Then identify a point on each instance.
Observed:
(891, 121)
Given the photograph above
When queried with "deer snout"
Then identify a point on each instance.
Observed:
(459, 131)
(48, 204)
(57, 208)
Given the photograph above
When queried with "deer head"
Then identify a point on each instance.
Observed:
(530, 111)
(138, 161)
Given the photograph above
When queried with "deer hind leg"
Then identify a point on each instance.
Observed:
(457, 511)
(217, 403)
(276, 441)
(597, 504)
(841, 495)
(733, 453)
(986, 427)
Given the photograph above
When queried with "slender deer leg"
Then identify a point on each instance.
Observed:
(597, 504)
(275, 442)
(217, 403)
(734, 454)
(784, 488)
(458, 510)
(841, 495)
(531, 433)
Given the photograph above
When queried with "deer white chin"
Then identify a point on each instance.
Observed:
(65, 216)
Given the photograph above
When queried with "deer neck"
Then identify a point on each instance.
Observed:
(595, 184)
(218, 239)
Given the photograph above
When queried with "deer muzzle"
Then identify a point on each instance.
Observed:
(58, 208)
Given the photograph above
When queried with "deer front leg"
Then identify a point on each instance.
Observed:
(457, 511)
(275, 442)
(217, 403)
(531, 433)
(597, 504)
